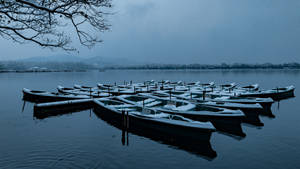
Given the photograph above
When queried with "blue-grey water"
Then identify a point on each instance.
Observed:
(82, 140)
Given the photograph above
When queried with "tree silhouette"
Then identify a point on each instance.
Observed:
(48, 22)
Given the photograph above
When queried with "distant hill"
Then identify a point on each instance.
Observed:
(96, 61)
(54, 58)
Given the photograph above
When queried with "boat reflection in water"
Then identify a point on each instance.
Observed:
(199, 148)
(252, 118)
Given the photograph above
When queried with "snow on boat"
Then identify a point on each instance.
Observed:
(264, 102)
(85, 88)
(254, 87)
(44, 96)
(94, 94)
(138, 117)
(276, 94)
(251, 111)
(224, 102)
(223, 119)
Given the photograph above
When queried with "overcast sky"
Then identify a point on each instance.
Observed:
(202, 31)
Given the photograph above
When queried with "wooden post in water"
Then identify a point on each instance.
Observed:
(123, 118)
(203, 95)
(123, 137)
(23, 107)
(90, 92)
(191, 96)
(127, 120)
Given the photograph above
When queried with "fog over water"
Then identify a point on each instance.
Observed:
(173, 31)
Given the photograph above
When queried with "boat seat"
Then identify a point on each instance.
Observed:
(153, 103)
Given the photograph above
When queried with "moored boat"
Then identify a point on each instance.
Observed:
(251, 111)
(44, 96)
(149, 119)
(94, 94)
(276, 93)
(199, 148)
(223, 119)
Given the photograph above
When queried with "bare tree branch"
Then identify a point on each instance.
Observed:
(43, 22)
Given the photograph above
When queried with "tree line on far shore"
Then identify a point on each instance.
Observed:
(15, 65)
(292, 65)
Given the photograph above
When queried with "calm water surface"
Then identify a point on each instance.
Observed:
(83, 140)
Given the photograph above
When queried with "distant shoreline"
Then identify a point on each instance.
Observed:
(236, 66)
(201, 69)
(22, 67)
(31, 71)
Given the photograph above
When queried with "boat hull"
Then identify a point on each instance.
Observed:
(203, 149)
(39, 98)
(133, 122)
(228, 124)
(275, 95)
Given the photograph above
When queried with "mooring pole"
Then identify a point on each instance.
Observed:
(23, 107)
(127, 138)
(123, 118)
(203, 95)
(90, 92)
(123, 137)
(127, 120)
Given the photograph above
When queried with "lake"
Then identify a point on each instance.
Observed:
(83, 140)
